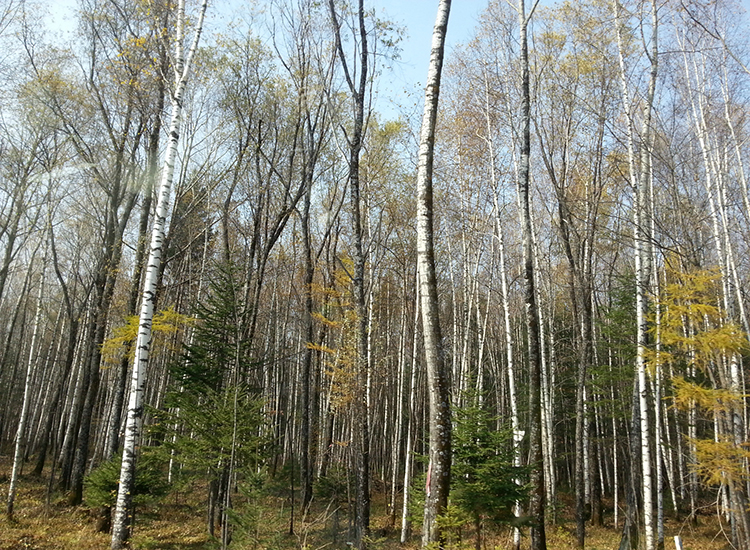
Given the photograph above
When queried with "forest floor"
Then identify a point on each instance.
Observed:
(177, 522)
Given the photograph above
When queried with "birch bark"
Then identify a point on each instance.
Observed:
(21, 431)
(639, 183)
(438, 483)
(537, 495)
(411, 420)
(507, 330)
(358, 90)
(123, 512)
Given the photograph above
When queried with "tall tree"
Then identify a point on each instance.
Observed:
(439, 470)
(310, 63)
(21, 436)
(573, 104)
(182, 64)
(640, 175)
(531, 309)
(357, 80)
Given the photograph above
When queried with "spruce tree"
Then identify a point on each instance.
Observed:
(214, 422)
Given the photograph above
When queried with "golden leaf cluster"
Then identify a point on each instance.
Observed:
(165, 323)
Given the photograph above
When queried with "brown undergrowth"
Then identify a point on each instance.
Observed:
(178, 523)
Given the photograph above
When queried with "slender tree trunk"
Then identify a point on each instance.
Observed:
(639, 182)
(358, 92)
(20, 433)
(518, 434)
(439, 470)
(92, 380)
(657, 381)
(73, 412)
(124, 512)
(306, 466)
(17, 318)
(537, 496)
(398, 431)
(113, 438)
(411, 420)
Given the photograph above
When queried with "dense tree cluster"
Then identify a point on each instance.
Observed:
(561, 259)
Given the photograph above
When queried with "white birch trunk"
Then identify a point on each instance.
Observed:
(640, 217)
(533, 319)
(411, 422)
(517, 433)
(657, 382)
(547, 367)
(738, 154)
(123, 511)
(21, 431)
(399, 420)
(439, 396)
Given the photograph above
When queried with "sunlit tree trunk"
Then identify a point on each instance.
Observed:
(531, 309)
(123, 512)
(21, 437)
(639, 178)
(411, 419)
(507, 330)
(396, 455)
(358, 88)
(439, 469)
(113, 437)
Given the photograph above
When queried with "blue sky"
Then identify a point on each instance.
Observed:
(404, 82)
(418, 18)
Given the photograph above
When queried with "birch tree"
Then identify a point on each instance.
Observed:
(639, 176)
(21, 436)
(531, 308)
(123, 512)
(101, 113)
(439, 470)
(310, 63)
(573, 104)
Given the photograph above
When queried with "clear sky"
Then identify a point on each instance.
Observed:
(418, 18)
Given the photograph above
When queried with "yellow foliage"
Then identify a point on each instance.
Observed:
(693, 328)
(720, 461)
(715, 400)
(338, 314)
(326, 321)
(696, 333)
(324, 292)
(321, 348)
(340, 371)
(165, 322)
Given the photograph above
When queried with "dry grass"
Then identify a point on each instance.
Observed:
(701, 537)
(40, 527)
(178, 524)
(37, 526)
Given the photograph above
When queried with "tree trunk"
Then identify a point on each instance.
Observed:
(20, 434)
(123, 512)
(113, 438)
(439, 470)
(358, 91)
(537, 496)
(411, 426)
(306, 466)
(639, 182)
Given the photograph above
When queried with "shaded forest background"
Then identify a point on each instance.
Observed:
(287, 314)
